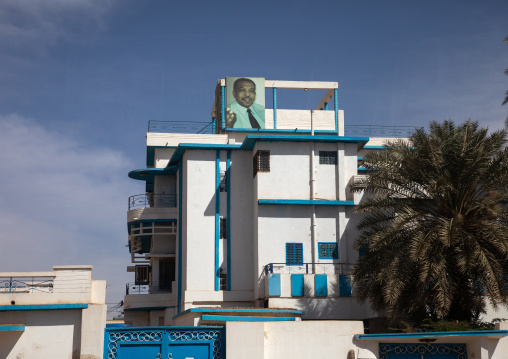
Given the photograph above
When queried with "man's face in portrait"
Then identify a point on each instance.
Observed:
(245, 93)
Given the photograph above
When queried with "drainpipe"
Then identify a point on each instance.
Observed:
(312, 197)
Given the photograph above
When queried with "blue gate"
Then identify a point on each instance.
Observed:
(165, 343)
(422, 351)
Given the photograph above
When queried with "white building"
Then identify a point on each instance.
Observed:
(53, 314)
(248, 218)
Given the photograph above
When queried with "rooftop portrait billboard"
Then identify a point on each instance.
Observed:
(245, 102)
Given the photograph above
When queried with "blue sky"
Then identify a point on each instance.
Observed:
(79, 81)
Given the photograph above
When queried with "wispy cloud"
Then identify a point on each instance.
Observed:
(43, 23)
(61, 203)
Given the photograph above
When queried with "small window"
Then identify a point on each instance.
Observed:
(223, 228)
(294, 254)
(261, 162)
(328, 250)
(327, 157)
(223, 186)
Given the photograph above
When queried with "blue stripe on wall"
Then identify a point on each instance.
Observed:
(180, 201)
(228, 214)
(297, 285)
(217, 217)
(321, 285)
(344, 285)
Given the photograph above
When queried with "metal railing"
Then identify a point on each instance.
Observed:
(379, 131)
(26, 285)
(152, 200)
(180, 126)
(310, 268)
(150, 288)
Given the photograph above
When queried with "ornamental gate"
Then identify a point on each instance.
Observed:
(422, 351)
(165, 343)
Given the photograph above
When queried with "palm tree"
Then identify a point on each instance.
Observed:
(436, 224)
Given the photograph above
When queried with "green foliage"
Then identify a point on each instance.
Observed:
(436, 225)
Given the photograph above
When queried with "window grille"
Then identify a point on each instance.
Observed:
(294, 253)
(261, 161)
(328, 250)
(223, 279)
(223, 228)
(223, 186)
(327, 157)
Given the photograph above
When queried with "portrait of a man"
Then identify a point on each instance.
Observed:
(245, 109)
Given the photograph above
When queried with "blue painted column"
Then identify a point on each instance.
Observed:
(217, 218)
(180, 201)
(326, 106)
(275, 108)
(228, 215)
(214, 125)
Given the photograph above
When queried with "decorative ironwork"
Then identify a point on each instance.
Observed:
(26, 285)
(180, 127)
(150, 288)
(114, 338)
(310, 268)
(152, 200)
(389, 351)
(195, 336)
(167, 338)
(379, 131)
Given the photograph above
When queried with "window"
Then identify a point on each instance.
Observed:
(328, 250)
(223, 186)
(223, 228)
(142, 274)
(261, 161)
(294, 254)
(223, 279)
(327, 157)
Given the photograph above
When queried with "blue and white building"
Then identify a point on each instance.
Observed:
(253, 229)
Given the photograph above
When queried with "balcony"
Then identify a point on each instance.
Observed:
(310, 268)
(149, 288)
(152, 201)
(18, 285)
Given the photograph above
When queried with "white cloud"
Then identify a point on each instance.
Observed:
(62, 203)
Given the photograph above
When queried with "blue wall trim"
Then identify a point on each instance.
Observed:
(336, 108)
(274, 285)
(12, 328)
(217, 218)
(250, 140)
(276, 130)
(499, 333)
(7, 308)
(231, 318)
(251, 311)
(297, 285)
(182, 147)
(305, 202)
(180, 240)
(228, 216)
(374, 148)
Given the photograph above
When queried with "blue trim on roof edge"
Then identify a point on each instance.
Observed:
(431, 334)
(306, 202)
(6, 308)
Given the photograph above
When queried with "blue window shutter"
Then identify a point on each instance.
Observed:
(294, 254)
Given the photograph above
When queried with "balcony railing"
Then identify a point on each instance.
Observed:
(150, 288)
(26, 285)
(379, 131)
(180, 126)
(152, 200)
(310, 268)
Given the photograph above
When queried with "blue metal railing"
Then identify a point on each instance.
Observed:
(26, 285)
(152, 200)
(379, 131)
(310, 268)
(180, 126)
(150, 288)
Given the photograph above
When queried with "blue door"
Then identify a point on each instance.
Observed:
(189, 351)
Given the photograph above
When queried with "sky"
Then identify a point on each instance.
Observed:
(79, 81)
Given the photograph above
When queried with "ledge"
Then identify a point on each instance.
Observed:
(494, 334)
(305, 202)
(231, 318)
(7, 308)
